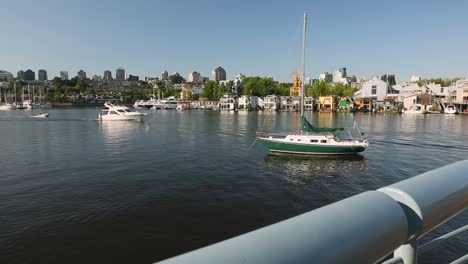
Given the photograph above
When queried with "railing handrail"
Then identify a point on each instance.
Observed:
(364, 228)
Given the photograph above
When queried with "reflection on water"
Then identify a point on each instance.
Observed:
(117, 132)
(302, 168)
(77, 180)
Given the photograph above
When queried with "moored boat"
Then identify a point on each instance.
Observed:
(415, 109)
(451, 109)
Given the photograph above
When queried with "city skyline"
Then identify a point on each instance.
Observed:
(421, 38)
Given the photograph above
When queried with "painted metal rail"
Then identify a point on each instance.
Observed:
(365, 228)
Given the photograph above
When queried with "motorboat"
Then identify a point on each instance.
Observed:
(119, 113)
(415, 109)
(146, 103)
(27, 104)
(451, 109)
(7, 106)
(44, 115)
(168, 103)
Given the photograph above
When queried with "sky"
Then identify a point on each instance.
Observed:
(254, 37)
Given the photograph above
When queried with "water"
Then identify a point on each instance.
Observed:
(74, 190)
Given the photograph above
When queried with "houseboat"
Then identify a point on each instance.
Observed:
(228, 103)
(271, 103)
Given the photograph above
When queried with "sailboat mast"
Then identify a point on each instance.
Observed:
(303, 62)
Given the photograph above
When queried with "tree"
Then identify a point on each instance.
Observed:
(176, 79)
(320, 88)
(210, 90)
(90, 90)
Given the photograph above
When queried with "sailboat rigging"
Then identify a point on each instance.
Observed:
(313, 140)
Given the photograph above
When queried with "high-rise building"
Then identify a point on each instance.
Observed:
(120, 74)
(164, 76)
(81, 75)
(133, 78)
(326, 77)
(218, 74)
(96, 78)
(42, 75)
(107, 75)
(64, 75)
(29, 75)
(195, 77)
(5, 76)
(20, 75)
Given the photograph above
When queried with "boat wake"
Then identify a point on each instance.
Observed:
(415, 144)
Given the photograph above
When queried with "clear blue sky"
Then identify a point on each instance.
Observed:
(427, 38)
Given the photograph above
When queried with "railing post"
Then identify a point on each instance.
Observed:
(408, 252)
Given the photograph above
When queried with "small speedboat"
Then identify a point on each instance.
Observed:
(119, 113)
(7, 107)
(45, 115)
(415, 109)
(451, 109)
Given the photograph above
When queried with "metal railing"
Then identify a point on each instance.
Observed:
(365, 228)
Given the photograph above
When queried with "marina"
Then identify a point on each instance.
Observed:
(234, 132)
(133, 198)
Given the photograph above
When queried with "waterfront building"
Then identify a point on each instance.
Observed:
(249, 102)
(164, 76)
(20, 75)
(271, 102)
(218, 74)
(133, 78)
(81, 75)
(42, 75)
(227, 103)
(120, 74)
(327, 103)
(460, 93)
(107, 75)
(29, 75)
(64, 75)
(5, 76)
(375, 93)
(308, 103)
(290, 103)
(326, 77)
(194, 77)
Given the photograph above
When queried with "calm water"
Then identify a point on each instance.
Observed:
(73, 190)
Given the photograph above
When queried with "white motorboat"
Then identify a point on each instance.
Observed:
(415, 109)
(169, 103)
(44, 115)
(27, 104)
(146, 103)
(451, 109)
(7, 106)
(119, 113)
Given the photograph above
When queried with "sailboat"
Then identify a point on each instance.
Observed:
(6, 105)
(313, 140)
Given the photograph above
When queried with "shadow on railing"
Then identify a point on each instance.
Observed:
(365, 228)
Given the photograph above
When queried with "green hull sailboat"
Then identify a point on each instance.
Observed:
(314, 140)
